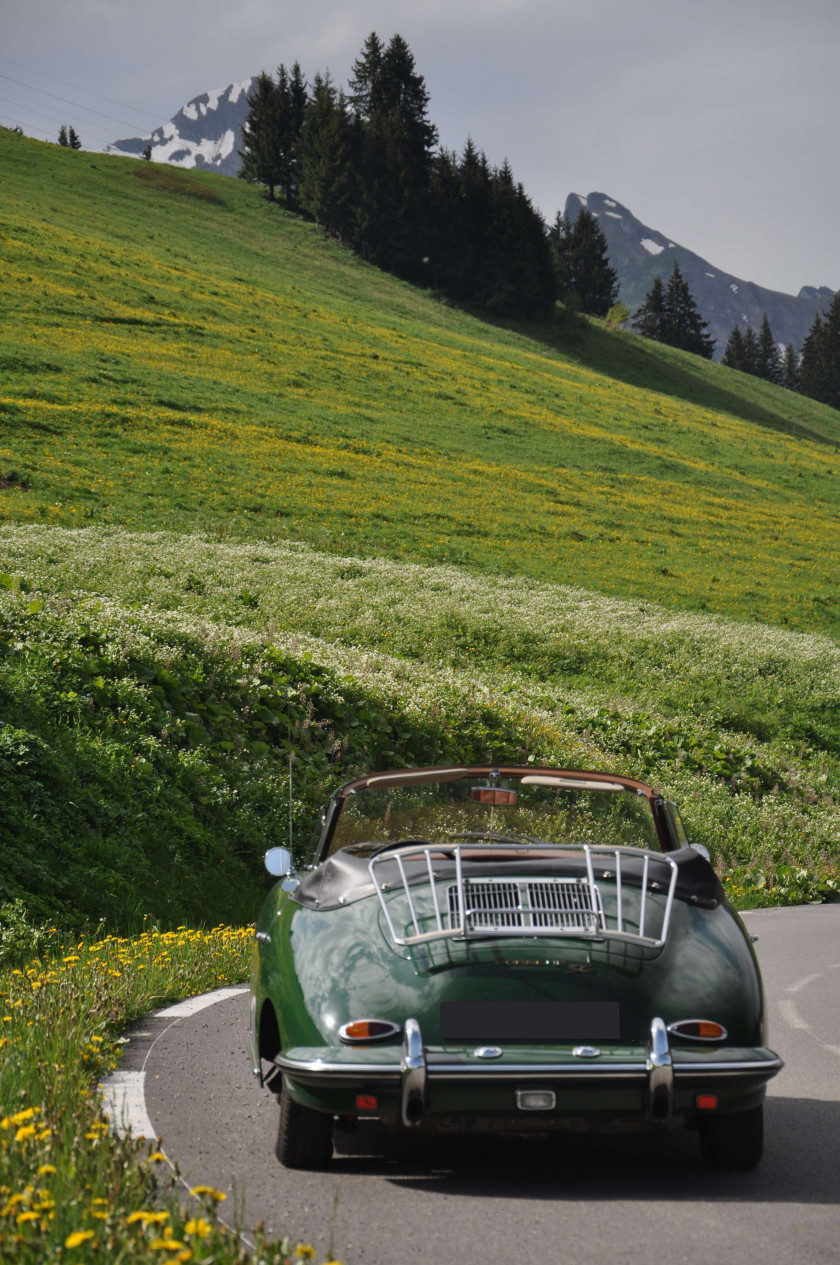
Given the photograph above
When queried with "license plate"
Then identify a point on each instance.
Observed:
(529, 1021)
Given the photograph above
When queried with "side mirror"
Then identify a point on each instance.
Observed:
(698, 847)
(278, 862)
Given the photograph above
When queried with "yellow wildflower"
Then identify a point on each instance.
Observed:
(19, 1118)
(209, 1191)
(78, 1237)
(198, 1226)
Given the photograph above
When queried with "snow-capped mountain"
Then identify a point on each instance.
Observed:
(204, 133)
(638, 253)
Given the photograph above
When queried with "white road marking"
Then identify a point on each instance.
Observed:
(792, 1017)
(124, 1093)
(803, 983)
(124, 1103)
(183, 1009)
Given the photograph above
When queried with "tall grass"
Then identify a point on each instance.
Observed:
(70, 1189)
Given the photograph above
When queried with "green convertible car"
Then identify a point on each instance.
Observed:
(515, 950)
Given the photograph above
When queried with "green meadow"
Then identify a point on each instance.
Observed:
(178, 353)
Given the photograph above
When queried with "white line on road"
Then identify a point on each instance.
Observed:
(124, 1093)
(792, 1017)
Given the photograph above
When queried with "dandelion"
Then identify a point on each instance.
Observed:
(198, 1226)
(146, 1217)
(209, 1192)
(78, 1237)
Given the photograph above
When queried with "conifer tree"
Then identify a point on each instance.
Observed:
(831, 354)
(558, 236)
(649, 320)
(290, 108)
(73, 138)
(261, 153)
(789, 372)
(63, 138)
(395, 158)
(769, 361)
(365, 78)
(812, 360)
(752, 352)
(733, 355)
(684, 327)
(586, 266)
(326, 175)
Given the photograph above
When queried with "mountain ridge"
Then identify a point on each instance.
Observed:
(203, 134)
(639, 253)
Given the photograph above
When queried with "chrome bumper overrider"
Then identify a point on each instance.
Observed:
(417, 1068)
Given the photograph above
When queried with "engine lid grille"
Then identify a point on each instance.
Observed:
(496, 904)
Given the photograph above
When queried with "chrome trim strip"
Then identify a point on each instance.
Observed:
(454, 1071)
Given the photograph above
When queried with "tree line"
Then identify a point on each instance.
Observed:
(813, 371)
(365, 165)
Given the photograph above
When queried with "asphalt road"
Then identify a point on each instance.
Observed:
(575, 1201)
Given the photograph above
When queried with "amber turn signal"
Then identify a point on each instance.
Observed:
(367, 1030)
(698, 1030)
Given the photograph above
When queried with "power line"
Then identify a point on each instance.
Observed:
(78, 88)
(12, 123)
(76, 105)
(52, 119)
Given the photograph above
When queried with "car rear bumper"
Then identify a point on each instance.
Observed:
(416, 1084)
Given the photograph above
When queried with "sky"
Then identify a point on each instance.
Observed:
(715, 122)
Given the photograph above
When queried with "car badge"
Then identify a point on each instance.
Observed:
(586, 1052)
(488, 1052)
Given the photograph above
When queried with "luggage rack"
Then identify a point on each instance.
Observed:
(550, 905)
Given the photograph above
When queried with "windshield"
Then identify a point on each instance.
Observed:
(531, 808)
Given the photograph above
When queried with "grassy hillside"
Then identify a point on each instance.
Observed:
(178, 353)
(183, 357)
(192, 384)
(154, 686)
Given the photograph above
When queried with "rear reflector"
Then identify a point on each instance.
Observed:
(698, 1030)
(366, 1102)
(368, 1030)
(706, 1102)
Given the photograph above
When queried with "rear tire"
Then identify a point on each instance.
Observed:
(734, 1141)
(305, 1137)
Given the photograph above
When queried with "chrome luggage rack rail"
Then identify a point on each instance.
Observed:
(497, 904)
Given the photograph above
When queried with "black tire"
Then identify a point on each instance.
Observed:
(305, 1137)
(735, 1141)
